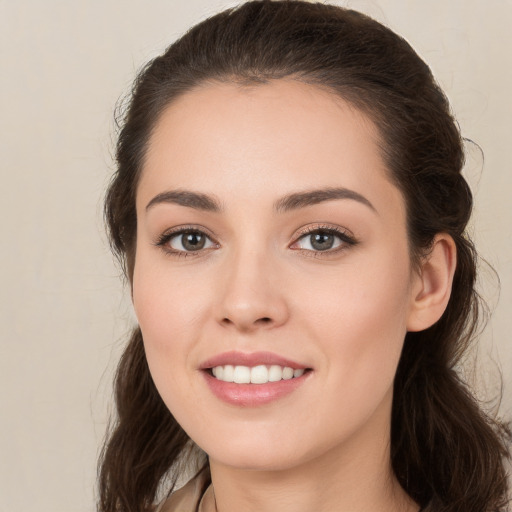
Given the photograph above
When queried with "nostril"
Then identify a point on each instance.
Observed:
(247, 323)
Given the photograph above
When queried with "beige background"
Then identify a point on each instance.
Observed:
(63, 66)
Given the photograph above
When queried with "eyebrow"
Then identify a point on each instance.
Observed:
(311, 197)
(294, 201)
(187, 198)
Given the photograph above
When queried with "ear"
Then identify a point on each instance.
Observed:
(432, 284)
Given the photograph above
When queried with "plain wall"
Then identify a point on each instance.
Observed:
(65, 315)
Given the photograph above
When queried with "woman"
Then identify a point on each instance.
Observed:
(291, 215)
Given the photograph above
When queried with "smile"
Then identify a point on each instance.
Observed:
(261, 374)
(253, 379)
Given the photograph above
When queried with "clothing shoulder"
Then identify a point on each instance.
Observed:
(188, 498)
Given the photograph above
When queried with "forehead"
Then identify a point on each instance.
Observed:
(264, 141)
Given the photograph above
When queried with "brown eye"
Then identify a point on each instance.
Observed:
(189, 241)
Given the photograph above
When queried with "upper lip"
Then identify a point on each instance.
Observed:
(236, 358)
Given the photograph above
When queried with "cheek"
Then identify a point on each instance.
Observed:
(169, 305)
(168, 321)
(173, 307)
(360, 316)
(159, 307)
(373, 294)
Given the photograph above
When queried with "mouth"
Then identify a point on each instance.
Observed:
(254, 379)
(260, 374)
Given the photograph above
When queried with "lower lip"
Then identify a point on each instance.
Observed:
(252, 395)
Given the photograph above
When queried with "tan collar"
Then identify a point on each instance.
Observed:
(207, 503)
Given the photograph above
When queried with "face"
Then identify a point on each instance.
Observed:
(271, 245)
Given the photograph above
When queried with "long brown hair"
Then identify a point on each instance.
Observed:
(446, 452)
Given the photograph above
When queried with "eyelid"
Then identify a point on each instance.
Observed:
(163, 239)
(346, 236)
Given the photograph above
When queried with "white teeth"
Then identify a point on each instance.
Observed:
(242, 375)
(287, 373)
(227, 374)
(218, 371)
(275, 373)
(260, 374)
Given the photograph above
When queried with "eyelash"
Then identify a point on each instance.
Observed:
(166, 237)
(347, 240)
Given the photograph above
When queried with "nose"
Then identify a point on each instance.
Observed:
(252, 295)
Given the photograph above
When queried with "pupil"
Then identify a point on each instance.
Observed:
(193, 241)
(322, 241)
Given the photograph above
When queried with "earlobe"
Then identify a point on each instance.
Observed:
(432, 285)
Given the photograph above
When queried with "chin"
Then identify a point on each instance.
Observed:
(255, 451)
(256, 460)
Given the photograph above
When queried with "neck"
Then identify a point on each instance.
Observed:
(356, 476)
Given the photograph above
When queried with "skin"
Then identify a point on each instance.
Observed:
(258, 285)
